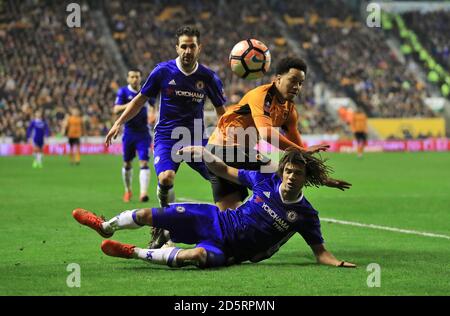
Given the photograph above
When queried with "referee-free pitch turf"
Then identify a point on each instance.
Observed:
(409, 191)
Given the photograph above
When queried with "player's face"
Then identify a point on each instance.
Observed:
(290, 84)
(134, 79)
(188, 49)
(293, 178)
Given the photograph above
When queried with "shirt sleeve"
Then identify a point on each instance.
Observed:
(248, 178)
(30, 129)
(215, 91)
(152, 101)
(121, 98)
(259, 109)
(152, 85)
(292, 132)
(310, 231)
(46, 130)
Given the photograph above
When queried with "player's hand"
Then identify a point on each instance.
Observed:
(317, 148)
(338, 184)
(112, 134)
(193, 152)
(345, 264)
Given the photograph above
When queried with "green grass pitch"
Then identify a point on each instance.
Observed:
(409, 191)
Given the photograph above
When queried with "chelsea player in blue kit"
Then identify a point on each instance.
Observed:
(136, 137)
(38, 130)
(183, 85)
(253, 232)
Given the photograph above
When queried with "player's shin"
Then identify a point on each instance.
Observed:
(127, 174)
(165, 194)
(144, 179)
(167, 256)
(125, 220)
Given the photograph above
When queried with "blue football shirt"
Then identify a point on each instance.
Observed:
(38, 129)
(258, 228)
(182, 95)
(139, 123)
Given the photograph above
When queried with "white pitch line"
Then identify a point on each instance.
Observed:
(392, 229)
(337, 221)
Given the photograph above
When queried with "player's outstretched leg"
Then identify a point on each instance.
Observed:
(166, 195)
(172, 256)
(125, 220)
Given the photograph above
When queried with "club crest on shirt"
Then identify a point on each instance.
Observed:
(291, 216)
(156, 160)
(180, 209)
(199, 85)
(285, 115)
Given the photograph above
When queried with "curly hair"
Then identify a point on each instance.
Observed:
(188, 31)
(291, 62)
(316, 171)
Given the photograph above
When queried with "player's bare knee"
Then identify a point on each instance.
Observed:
(144, 216)
(166, 178)
(127, 164)
(200, 255)
(143, 163)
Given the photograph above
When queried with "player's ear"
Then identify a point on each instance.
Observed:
(278, 79)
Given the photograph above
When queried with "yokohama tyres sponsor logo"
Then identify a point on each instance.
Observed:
(189, 94)
(279, 224)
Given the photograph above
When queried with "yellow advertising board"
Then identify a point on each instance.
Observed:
(398, 128)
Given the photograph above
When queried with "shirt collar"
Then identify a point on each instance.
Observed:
(288, 202)
(180, 68)
(131, 89)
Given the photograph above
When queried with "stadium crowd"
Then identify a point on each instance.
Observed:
(357, 59)
(46, 65)
(433, 30)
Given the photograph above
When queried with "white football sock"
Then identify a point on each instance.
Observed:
(144, 179)
(159, 256)
(127, 176)
(39, 157)
(125, 220)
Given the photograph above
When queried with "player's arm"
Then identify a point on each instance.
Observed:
(293, 133)
(64, 125)
(216, 95)
(118, 108)
(47, 131)
(151, 115)
(132, 109)
(323, 256)
(338, 184)
(214, 163)
(267, 132)
(29, 130)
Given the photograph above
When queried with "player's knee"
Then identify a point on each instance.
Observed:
(143, 164)
(166, 178)
(200, 255)
(127, 164)
(144, 216)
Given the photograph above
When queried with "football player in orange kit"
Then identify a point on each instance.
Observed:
(359, 128)
(73, 128)
(256, 116)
